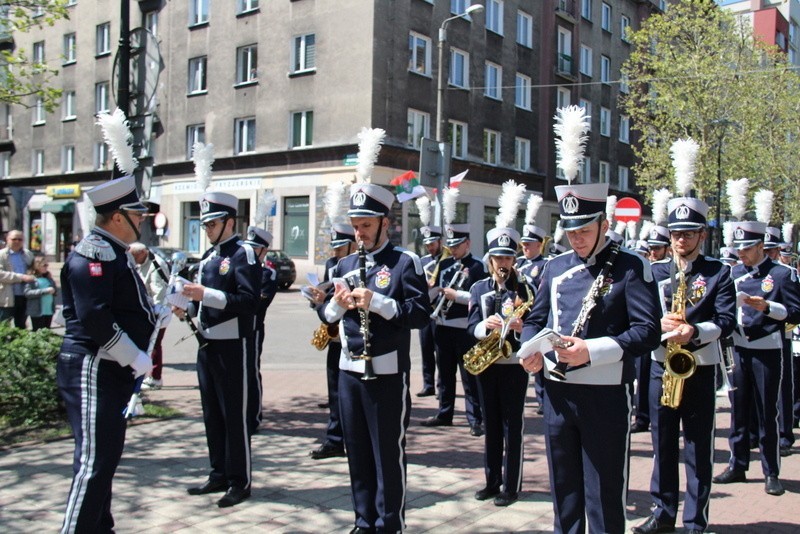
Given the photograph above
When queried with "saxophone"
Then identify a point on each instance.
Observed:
(324, 334)
(494, 346)
(679, 363)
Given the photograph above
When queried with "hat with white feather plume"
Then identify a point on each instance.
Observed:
(503, 239)
(685, 212)
(256, 235)
(531, 232)
(335, 203)
(367, 199)
(430, 234)
(749, 233)
(786, 247)
(456, 233)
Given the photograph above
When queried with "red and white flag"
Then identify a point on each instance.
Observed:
(455, 181)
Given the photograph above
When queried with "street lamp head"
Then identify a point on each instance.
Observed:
(474, 8)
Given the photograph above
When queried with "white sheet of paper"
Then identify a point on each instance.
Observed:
(538, 343)
(740, 296)
(175, 296)
(313, 279)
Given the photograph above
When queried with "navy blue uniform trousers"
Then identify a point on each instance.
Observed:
(333, 435)
(375, 417)
(451, 345)
(786, 421)
(642, 396)
(428, 348)
(222, 375)
(95, 393)
(696, 414)
(255, 388)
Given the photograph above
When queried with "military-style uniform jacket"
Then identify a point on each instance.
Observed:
(485, 302)
(106, 306)
(777, 283)
(624, 323)
(710, 306)
(269, 286)
(428, 262)
(476, 271)
(399, 303)
(531, 269)
(232, 278)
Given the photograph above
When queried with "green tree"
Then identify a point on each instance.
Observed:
(697, 71)
(21, 77)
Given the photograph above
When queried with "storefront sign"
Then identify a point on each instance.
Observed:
(63, 191)
(220, 185)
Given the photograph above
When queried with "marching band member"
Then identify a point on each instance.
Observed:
(709, 315)
(785, 418)
(587, 415)
(432, 241)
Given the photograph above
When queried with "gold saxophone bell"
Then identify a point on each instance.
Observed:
(324, 334)
(679, 363)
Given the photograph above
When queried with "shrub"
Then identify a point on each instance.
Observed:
(28, 390)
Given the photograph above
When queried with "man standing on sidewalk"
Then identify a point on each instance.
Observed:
(15, 261)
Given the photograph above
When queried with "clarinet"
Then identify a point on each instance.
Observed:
(369, 372)
(178, 263)
(559, 372)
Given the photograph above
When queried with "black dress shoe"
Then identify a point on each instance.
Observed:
(754, 443)
(730, 476)
(773, 486)
(327, 450)
(505, 498)
(540, 410)
(487, 493)
(785, 451)
(435, 421)
(427, 392)
(324, 405)
(476, 430)
(693, 531)
(652, 526)
(360, 530)
(211, 486)
(233, 497)
(638, 426)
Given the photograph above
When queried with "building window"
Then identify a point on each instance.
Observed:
(197, 75)
(625, 28)
(605, 69)
(586, 60)
(522, 93)
(457, 7)
(585, 171)
(246, 64)
(624, 129)
(100, 156)
(419, 54)
(304, 53)
(524, 29)
(587, 106)
(459, 68)
(101, 97)
(68, 159)
(103, 39)
(245, 137)
(38, 52)
(623, 84)
(151, 22)
(586, 9)
(604, 174)
(38, 162)
(5, 164)
(195, 133)
(522, 154)
(494, 16)
(39, 113)
(243, 6)
(198, 12)
(69, 48)
(605, 122)
(605, 17)
(491, 147)
(563, 97)
(494, 81)
(457, 137)
(68, 106)
(622, 177)
(302, 129)
(564, 44)
(295, 226)
(419, 126)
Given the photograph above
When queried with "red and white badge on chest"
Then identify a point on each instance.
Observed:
(95, 269)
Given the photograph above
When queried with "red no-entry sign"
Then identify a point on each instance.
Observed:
(628, 209)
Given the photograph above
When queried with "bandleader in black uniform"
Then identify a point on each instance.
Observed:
(710, 315)
(375, 413)
(496, 303)
(109, 324)
(768, 297)
(432, 240)
(587, 416)
(226, 301)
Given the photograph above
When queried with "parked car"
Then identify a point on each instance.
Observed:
(284, 266)
(192, 263)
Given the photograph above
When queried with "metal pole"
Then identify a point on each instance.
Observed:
(718, 229)
(440, 119)
(124, 80)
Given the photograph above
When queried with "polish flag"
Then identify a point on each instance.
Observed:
(455, 181)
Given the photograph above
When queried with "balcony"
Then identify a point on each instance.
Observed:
(567, 10)
(565, 67)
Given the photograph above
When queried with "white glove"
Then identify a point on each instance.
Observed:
(143, 364)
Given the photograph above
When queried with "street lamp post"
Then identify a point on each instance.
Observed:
(723, 124)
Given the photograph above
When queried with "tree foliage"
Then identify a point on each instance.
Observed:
(22, 78)
(697, 71)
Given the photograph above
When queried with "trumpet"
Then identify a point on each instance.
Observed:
(445, 254)
(457, 282)
(679, 363)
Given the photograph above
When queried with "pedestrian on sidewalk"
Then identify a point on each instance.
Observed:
(39, 294)
(15, 262)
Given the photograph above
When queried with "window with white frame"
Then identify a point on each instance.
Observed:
(244, 140)
(622, 178)
(586, 60)
(662, 5)
(243, 6)
(564, 44)
(39, 113)
(605, 69)
(151, 22)
(605, 17)
(494, 80)
(101, 97)
(198, 12)
(563, 97)
(457, 137)
(587, 106)
(491, 147)
(419, 126)
(586, 9)
(623, 83)
(68, 159)
(195, 133)
(459, 68)
(247, 64)
(304, 53)
(5, 164)
(585, 171)
(302, 134)
(100, 156)
(494, 16)
(419, 54)
(38, 52)
(458, 7)
(197, 75)
(605, 122)
(624, 129)
(522, 91)
(604, 172)
(102, 45)
(522, 154)
(624, 28)
(68, 106)
(38, 162)
(69, 48)
(524, 29)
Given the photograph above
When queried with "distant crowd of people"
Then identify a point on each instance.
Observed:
(27, 289)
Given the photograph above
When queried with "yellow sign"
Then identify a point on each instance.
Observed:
(64, 191)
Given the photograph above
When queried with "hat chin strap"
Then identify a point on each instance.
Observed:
(134, 227)
(221, 230)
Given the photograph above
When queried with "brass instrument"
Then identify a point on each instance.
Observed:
(324, 334)
(494, 346)
(457, 282)
(727, 363)
(445, 254)
(369, 371)
(679, 363)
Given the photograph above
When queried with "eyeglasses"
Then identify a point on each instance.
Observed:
(691, 234)
(210, 225)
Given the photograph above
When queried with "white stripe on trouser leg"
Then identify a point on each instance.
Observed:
(625, 473)
(245, 432)
(404, 392)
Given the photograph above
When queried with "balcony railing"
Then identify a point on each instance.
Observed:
(565, 66)
(566, 8)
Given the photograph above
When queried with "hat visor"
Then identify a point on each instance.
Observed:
(680, 226)
(531, 240)
(502, 251)
(455, 241)
(655, 243)
(429, 240)
(213, 215)
(576, 223)
(135, 206)
(340, 242)
(365, 213)
(256, 244)
(769, 246)
(741, 245)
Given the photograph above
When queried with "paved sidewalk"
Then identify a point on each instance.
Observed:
(292, 493)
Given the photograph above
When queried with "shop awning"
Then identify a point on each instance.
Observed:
(59, 206)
